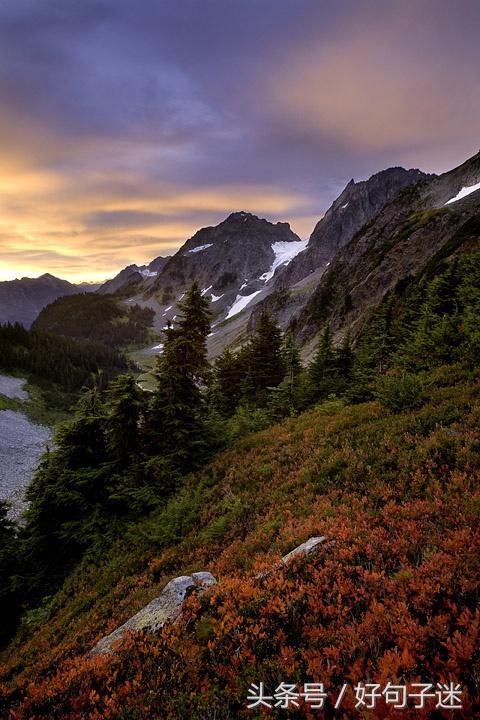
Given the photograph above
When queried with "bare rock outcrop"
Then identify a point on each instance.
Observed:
(309, 547)
(167, 607)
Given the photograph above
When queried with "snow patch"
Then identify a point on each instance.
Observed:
(148, 273)
(200, 248)
(215, 297)
(284, 253)
(463, 193)
(158, 348)
(342, 207)
(241, 302)
(205, 290)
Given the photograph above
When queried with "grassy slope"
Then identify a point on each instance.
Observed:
(393, 596)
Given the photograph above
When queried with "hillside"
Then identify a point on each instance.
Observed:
(96, 318)
(392, 594)
(22, 300)
(55, 361)
(132, 276)
(391, 483)
(422, 224)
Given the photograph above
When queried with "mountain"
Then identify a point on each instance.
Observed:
(354, 208)
(429, 221)
(232, 261)
(357, 205)
(101, 319)
(22, 300)
(132, 276)
(279, 517)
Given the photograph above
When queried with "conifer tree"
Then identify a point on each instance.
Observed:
(344, 359)
(322, 371)
(263, 358)
(125, 407)
(293, 368)
(176, 426)
(227, 386)
(8, 567)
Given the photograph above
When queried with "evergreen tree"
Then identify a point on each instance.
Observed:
(227, 385)
(8, 568)
(344, 360)
(68, 497)
(322, 369)
(176, 422)
(125, 407)
(293, 367)
(263, 360)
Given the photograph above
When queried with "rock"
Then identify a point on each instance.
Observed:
(306, 548)
(167, 607)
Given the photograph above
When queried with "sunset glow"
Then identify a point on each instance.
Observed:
(120, 136)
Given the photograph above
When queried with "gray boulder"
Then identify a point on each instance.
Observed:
(167, 607)
(307, 548)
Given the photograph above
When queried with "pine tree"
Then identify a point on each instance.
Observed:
(8, 567)
(323, 371)
(344, 360)
(263, 358)
(125, 407)
(227, 390)
(175, 426)
(293, 369)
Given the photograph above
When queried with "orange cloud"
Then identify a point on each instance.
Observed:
(90, 229)
(380, 85)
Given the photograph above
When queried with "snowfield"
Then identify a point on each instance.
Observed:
(200, 248)
(463, 193)
(241, 302)
(13, 388)
(284, 253)
(21, 445)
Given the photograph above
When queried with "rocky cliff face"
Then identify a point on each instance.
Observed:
(22, 300)
(425, 223)
(231, 261)
(134, 275)
(356, 205)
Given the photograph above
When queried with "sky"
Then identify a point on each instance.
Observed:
(126, 125)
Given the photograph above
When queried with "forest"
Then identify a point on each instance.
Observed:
(96, 318)
(68, 363)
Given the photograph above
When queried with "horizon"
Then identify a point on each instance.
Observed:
(80, 280)
(126, 129)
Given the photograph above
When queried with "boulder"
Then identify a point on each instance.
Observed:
(167, 607)
(307, 548)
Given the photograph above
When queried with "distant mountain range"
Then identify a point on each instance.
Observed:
(376, 234)
(21, 300)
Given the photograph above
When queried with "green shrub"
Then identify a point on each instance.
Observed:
(400, 393)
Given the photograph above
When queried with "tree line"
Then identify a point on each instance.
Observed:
(69, 363)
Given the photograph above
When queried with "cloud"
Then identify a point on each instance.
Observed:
(126, 126)
(385, 84)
